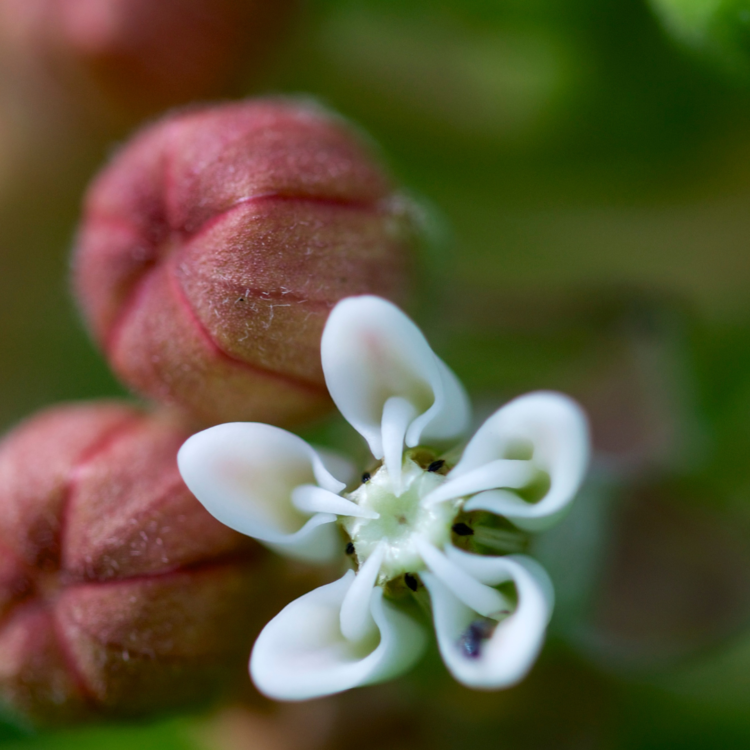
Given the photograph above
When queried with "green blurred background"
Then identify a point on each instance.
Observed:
(586, 185)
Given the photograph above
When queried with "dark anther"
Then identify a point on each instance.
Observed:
(436, 465)
(366, 477)
(240, 299)
(411, 581)
(349, 548)
(473, 637)
(462, 529)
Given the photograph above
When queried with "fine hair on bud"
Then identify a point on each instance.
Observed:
(216, 242)
(120, 596)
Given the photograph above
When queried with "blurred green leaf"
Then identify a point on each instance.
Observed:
(173, 734)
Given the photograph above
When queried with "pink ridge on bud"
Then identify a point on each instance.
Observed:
(215, 244)
(141, 56)
(119, 594)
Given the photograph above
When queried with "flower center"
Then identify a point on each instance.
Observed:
(401, 519)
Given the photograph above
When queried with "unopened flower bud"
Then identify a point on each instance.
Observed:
(214, 246)
(119, 595)
(128, 58)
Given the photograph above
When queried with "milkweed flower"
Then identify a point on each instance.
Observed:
(421, 527)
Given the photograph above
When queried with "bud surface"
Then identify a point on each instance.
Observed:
(215, 244)
(119, 595)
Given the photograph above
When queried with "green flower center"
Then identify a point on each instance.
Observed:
(401, 519)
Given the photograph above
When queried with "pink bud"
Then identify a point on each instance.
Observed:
(217, 241)
(133, 57)
(119, 594)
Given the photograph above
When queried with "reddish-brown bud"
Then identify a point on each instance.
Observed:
(215, 244)
(119, 594)
(127, 58)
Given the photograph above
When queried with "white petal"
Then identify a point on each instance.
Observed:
(553, 430)
(311, 499)
(244, 474)
(302, 653)
(479, 597)
(372, 352)
(502, 472)
(355, 618)
(508, 654)
(494, 570)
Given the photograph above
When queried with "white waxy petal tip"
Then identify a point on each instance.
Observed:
(477, 652)
(244, 474)
(547, 431)
(302, 653)
(371, 353)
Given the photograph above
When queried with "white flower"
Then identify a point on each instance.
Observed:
(417, 528)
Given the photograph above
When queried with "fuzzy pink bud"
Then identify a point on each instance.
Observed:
(215, 244)
(119, 595)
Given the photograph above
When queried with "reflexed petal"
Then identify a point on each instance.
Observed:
(493, 570)
(244, 474)
(502, 472)
(371, 353)
(507, 654)
(302, 653)
(471, 592)
(549, 429)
